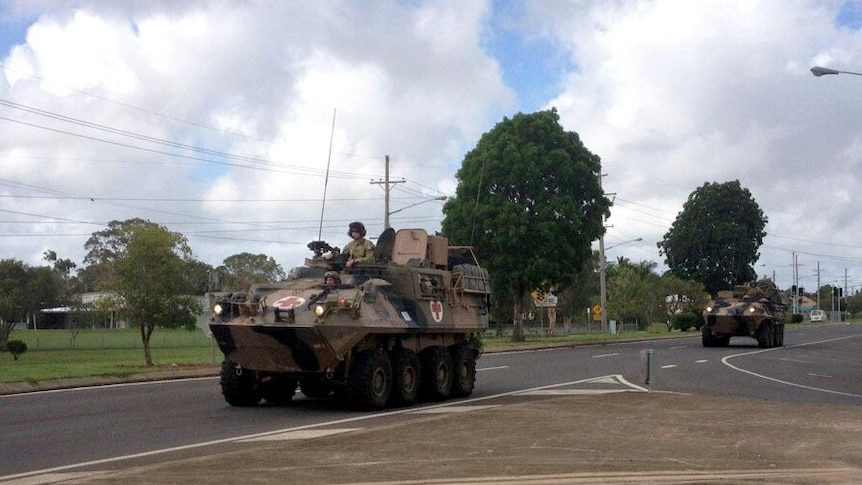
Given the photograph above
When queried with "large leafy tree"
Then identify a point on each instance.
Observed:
(244, 269)
(716, 237)
(529, 200)
(24, 290)
(148, 267)
(104, 248)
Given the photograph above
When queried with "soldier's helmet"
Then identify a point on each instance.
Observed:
(331, 275)
(356, 226)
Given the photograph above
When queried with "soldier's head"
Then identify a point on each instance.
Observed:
(356, 227)
(331, 278)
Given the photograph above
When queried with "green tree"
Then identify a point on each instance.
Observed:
(682, 296)
(198, 276)
(13, 289)
(24, 291)
(634, 293)
(149, 276)
(105, 247)
(716, 237)
(583, 293)
(244, 269)
(528, 190)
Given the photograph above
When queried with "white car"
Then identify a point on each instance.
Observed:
(818, 316)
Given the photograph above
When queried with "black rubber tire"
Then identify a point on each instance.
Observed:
(315, 388)
(464, 370)
(437, 374)
(780, 334)
(238, 386)
(406, 377)
(371, 381)
(765, 335)
(707, 338)
(277, 389)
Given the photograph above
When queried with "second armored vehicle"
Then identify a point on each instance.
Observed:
(754, 311)
(388, 333)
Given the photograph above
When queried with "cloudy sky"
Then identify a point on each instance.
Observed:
(218, 119)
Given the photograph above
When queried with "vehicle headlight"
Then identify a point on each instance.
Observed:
(319, 310)
(751, 309)
(709, 309)
(218, 309)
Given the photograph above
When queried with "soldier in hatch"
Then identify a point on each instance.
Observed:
(331, 279)
(359, 249)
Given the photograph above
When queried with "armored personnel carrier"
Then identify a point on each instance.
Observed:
(388, 333)
(749, 311)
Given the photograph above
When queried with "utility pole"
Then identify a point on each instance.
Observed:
(386, 188)
(603, 271)
(818, 285)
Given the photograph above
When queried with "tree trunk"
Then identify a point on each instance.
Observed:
(146, 333)
(518, 316)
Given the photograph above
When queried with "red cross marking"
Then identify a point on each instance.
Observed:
(289, 302)
(437, 310)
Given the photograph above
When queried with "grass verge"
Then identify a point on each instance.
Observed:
(49, 355)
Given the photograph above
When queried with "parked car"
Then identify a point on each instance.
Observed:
(818, 315)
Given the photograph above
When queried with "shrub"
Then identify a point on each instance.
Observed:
(797, 318)
(685, 321)
(16, 348)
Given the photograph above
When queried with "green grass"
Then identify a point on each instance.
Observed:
(109, 339)
(103, 353)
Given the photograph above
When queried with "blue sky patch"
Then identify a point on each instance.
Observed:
(850, 15)
(534, 67)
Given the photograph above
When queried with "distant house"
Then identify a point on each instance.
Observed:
(83, 315)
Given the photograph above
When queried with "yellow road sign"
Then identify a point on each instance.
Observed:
(597, 313)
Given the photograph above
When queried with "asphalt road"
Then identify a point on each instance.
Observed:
(112, 433)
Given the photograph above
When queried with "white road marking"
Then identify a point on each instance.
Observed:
(819, 375)
(701, 361)
(302, 434)
(785, 359)
(573, 392)
(606, 355)
(725, 360)
(493, 368)
(453, 409)
(669, 366)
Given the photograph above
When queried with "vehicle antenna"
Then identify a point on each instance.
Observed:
(326, 179)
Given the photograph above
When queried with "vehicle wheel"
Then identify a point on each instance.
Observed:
(406, 375)
(708, 339)
(315, 388)
(238, 386)
(723, 341)
(765, 335)
(779, 341)
(436, 383)
(277, 389)
(371, 382)
(464, 370)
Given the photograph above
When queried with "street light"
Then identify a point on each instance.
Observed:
(386, 220)
(823, 71)
(603, 278)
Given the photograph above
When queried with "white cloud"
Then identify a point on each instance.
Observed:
(669, 93)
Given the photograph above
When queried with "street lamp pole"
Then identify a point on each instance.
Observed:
(442, 197)
(825, 71)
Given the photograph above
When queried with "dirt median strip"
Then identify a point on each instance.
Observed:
(611, 438)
